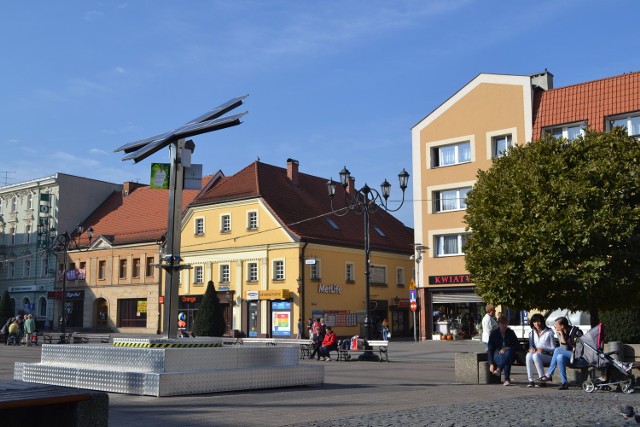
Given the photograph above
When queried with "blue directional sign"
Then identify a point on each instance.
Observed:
(412, 294)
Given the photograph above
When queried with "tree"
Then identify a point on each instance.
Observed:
(6, 309)
(556, 224)
(210, 318)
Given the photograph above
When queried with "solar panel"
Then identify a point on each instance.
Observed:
(219, 110)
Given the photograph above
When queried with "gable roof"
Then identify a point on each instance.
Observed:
(140, 216)
(304, 208)
(590, 101)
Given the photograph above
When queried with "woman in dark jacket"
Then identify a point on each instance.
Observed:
(501, 349)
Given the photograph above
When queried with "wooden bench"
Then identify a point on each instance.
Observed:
(382, 347)
(81, 338)
(53, 338)
(41, 404)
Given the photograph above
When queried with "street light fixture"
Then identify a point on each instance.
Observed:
(364, 201)
(61, 244)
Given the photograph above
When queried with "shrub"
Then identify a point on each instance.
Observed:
(622, 325)
(209, 321)
(6, 309)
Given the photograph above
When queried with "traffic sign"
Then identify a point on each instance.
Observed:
(412, 284)
(412, 294)
(414, 306)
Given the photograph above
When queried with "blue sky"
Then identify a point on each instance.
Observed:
(331, 83)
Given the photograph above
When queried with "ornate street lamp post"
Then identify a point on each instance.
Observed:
(365, 201)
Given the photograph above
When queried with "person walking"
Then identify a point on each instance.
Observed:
(29, 329)
(316, 342)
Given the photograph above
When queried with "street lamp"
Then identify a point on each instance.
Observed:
(419, 248)
(364, 201)
(61, 244)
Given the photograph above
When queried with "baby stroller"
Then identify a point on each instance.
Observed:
(13, 339)
(605, 372)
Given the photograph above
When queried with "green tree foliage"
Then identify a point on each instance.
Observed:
(622, 325)
(6, 309)
(557, 224)
(209, 321)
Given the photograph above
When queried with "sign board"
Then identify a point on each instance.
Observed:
(310, 261)
(274, 294)
(412, 284)
(414, 306)
(412, 294)
(253, 295)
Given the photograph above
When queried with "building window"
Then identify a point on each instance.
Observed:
(30, 202)
(225, 223)
(314, 269)
(42, 307)
(26, 269)
(225, 273)
(122, 272)
(252, 220)
(349, 272)
(14, 204)
(27, 234)
(132, 313)
(252, 272)
(630, 122)
(400, 276)
(136, 268)
(500, 145)
(102, 270)
(378, 275)
(447, 155)
(82, 271)
(450, 244)
(12, 236)
(11, 266)
(199, 226)
(278, 270)
(198, 274)
(150, 268)
(450, 200)
(569, 132)
(44, 267)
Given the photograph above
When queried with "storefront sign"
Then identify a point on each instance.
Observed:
(223, 288)
(74, 295)
(22, 288)
(451, 279)
(190, 299)
(274, 294)
(142, 306)
(329, 289)
(253, 295)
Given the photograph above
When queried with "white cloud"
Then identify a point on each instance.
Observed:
(120, 70)
(92, 14)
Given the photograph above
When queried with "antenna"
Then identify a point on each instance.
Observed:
(6, 176)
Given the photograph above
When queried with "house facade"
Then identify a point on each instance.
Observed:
(480, 122)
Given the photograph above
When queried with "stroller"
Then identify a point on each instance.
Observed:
(605, 372)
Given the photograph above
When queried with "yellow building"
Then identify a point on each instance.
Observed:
(268, 239)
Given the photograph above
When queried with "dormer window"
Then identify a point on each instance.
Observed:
(630, 122)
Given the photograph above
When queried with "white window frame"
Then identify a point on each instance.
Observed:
(26, 268)
(459, 197)
(14, 204)
(400, 276)
(563, 131)
(30, 202)
(11, 270)
(508, 145)
(27, 233)
(437, 160)
(225, 273)
(279, 271)
(252, 217)
(252, 272)
(441, 248)
(198, 275)
(225, 223)
(349, 272)
(630, 119)
(198, 226)
(314, 270)
(12, 236)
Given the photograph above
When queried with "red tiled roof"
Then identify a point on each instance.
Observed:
(305, 207)
(141, 216)
(591, 101)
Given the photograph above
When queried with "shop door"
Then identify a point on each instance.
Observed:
(253, 324)
(400, 323)
(102, 310)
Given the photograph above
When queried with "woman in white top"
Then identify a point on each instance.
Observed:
(488, 323)
(541, 346)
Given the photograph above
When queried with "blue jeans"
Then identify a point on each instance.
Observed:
(560, 359)
(504, 361)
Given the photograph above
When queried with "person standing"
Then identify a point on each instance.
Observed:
(29, 329)
(541, 347)
(385, 330)
(501, 349)
(489, 323)
(316, 342)
(299, 336)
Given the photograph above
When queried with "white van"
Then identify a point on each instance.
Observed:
(581, 319)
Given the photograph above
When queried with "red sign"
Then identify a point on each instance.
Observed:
(414, 306)
(161, 299)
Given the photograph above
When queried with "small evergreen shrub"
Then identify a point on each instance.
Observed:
(6, 309)
(622, 325)
(209, 320)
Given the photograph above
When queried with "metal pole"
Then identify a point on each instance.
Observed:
(415, 333)
(172, 280)
(63, 338)
(367, 319)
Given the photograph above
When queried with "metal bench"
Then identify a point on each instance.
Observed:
(78, 337)
(382, 347)
(53, 338)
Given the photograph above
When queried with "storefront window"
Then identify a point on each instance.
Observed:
(132, 313)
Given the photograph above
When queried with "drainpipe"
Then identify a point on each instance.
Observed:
(301, 286)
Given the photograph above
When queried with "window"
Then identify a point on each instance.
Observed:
(630, 122)
(123, 269)
(349, 275)
(14, 204)
(379, 231)
(30, 202)
(42, 307)
(569, 132)
(225, 273)
(102, 270)
(400, 276)
(450, 200)
(27, 234)
(500, 145)
(82, 271)
(198, 274)
(150, 268)
(11, 266)
(252, 272)
(136, 267)
(278, 270)
(315, 271)
(44, 267)
(26, 269)
(252, 220)
(225, 223)
(447, 155)
(333, 224)
(12, 236)
(450, 244)
(132, 313)
(199, 226)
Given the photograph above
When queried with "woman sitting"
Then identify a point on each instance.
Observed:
(501, 349)
(541, 346)
(562, 355)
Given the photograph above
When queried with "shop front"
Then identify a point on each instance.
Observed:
(278, 323)
(73, 307)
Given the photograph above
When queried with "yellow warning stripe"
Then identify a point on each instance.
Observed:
(163, 345)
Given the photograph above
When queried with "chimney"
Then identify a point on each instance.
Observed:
(128, 187)
(292, 171)
(351, 185)
(543, 80)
